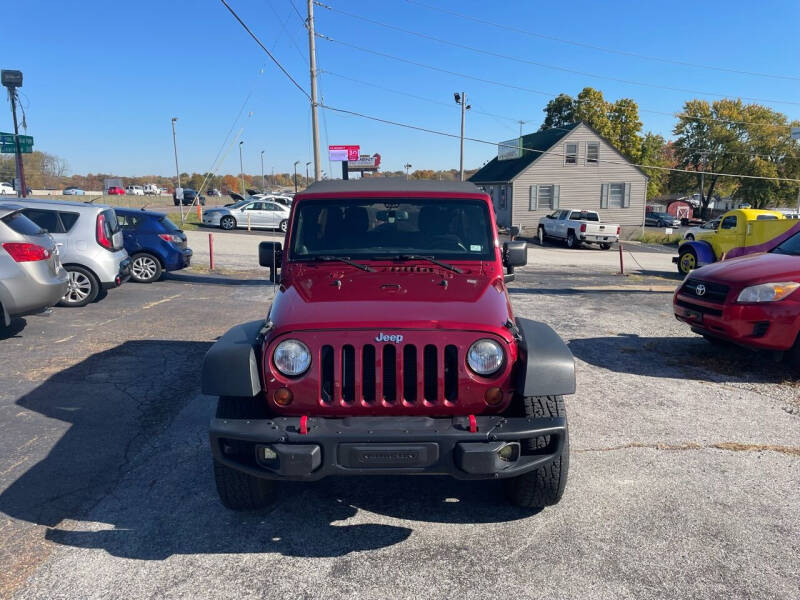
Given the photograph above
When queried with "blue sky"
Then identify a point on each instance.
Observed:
(103, 79)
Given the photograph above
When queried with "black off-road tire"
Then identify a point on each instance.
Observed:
(545, 485)
(238, 490)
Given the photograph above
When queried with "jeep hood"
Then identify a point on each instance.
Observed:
(391, 298)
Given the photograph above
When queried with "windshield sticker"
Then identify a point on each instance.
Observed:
(475, 248)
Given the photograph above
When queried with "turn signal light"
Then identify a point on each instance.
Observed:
(493, 396)
(283, 396)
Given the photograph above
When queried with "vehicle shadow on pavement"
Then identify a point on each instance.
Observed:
(13, 330)
(679, 357)
(132, 474)
(215, 280)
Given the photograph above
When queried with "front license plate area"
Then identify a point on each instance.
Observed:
(693, 315)
(388, 456)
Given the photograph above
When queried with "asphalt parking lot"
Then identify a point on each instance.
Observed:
(684, 476)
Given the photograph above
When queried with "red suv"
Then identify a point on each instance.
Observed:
(753, 301)
(115, 190)
(390, 348)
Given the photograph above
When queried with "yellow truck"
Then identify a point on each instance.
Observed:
(740, 232)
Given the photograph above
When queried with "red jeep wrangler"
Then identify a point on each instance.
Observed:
(390, 348)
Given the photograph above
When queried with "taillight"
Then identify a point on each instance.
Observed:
(618, 229)
(102, 236)
(583, 227)
(169, 237)
(26, 252)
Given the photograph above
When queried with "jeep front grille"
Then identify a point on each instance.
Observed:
(388, 375)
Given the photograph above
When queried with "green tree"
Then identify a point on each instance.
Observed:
(560, 111)
(654, 151)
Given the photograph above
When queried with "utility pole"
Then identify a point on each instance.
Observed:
(462, 100)
(241, 169)
(12, 79)
(297, 162)
(263, 185)
(308, 163)
(312, 57)
(521, 123)
(177, 170)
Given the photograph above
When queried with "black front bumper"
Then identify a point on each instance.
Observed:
(278, 449)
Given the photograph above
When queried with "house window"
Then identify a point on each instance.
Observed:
(570, 154)
(615, 195)
(544, 197)
(592, 152)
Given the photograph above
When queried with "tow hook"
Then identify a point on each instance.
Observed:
(304, 425)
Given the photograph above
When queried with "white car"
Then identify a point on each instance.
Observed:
(253, 212)
(708, 227)
(134, 190)
(7, 188)
(150, 189)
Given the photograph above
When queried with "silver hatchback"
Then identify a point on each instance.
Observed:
(31, 276)
(90, 244)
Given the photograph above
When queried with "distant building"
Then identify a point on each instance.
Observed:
(567, 167)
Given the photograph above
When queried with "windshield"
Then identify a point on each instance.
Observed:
(790, 246)
(377, 228)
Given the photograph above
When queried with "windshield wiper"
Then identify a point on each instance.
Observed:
(343, 259)
(444, 265)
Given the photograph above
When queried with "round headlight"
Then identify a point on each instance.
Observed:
(292, 357)
(485, 357)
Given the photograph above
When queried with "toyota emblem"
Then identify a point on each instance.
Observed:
(700, 290)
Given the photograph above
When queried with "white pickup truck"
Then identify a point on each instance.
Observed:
(577, 226)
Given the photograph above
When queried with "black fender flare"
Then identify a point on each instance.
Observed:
(547, 367)
(230, 367)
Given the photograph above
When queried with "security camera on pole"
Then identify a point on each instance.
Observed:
(12, 80)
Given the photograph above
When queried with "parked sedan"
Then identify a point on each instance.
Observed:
(708, 227)
(73, 191)
(31, 276)
(661, 219)
(248, 213)
(752, 300)
(154, 243)
(115, 190)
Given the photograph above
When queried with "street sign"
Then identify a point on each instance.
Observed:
(11, 78)
(336, 153)
(796, 133)
(7, 145)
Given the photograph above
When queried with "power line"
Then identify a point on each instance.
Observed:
(480, 141)
(264, 48)
(602, 48)
(546, 65)
(525, 89)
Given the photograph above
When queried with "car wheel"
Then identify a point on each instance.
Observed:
(145, 268)
(545, 485)
(605, 245)
(540, 236)
(572, 241)
(689, 237)
(687, 260)
(284, 225)
(237, 490)
(227, 223)
(82, 287)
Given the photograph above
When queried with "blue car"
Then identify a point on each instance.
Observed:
(154, 243)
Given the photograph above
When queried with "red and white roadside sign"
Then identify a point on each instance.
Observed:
(337, 153)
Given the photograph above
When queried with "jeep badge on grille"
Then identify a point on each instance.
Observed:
(382, 337)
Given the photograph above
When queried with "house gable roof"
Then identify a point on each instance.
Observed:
(537, 144)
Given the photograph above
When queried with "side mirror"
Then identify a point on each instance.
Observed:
(515, 254)
(270, 254)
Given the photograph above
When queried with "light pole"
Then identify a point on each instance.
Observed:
(12, 79)
(407, 166)
(177, 171)
(308, 163)
(462, 100)
(241, 169)
(263, 185)
(297, 162)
